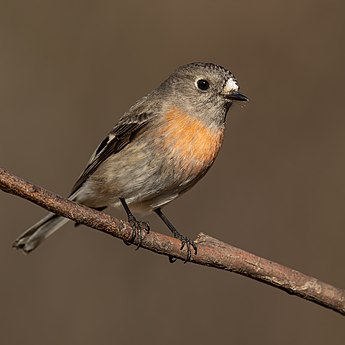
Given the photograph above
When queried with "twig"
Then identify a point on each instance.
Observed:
(211, 252)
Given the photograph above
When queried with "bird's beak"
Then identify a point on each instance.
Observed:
(237, 96)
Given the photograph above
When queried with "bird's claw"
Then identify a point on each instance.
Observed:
(137, 231)
(185, 241)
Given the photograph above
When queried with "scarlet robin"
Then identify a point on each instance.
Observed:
(159, 149)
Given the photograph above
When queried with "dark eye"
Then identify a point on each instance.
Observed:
(203, 84)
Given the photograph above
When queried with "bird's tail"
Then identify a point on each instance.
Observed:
(35, 235)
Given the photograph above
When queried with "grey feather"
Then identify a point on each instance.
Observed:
(118, 138)
(36, 234)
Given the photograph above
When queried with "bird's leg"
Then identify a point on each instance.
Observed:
(136, 225)
(185, 241)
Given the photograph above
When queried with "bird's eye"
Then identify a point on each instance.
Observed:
(202, 84)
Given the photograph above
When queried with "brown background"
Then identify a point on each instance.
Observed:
(68, 70)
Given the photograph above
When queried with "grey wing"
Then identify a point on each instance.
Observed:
(121, 135)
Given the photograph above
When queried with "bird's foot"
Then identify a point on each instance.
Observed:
(137, 231)
(185, 242)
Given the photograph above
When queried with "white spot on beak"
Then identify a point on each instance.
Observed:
(231, 85)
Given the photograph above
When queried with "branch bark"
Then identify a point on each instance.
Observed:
(211, 252)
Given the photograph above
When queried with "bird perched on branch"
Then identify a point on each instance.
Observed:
(159, 149)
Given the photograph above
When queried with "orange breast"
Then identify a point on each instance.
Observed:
(189, 141)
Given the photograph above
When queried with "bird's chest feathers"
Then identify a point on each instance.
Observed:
(189, 142)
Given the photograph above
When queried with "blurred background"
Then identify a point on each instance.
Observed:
(68, 71)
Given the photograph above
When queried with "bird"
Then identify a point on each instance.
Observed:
(160, 148)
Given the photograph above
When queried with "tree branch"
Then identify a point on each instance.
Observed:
(211, 252)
